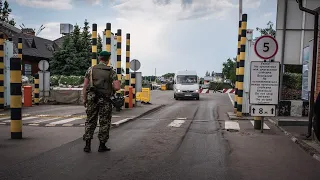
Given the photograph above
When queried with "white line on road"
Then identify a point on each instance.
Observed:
(232, 101)
(65, 121)
(231, 125)
(27, 118)
(45, 120)
(264, 125)
(182, 118)
(176, 123)
(121, 121)
(4, 118)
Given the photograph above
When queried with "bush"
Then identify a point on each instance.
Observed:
(292, 80)
(54, 80)
(292, 86)
(220, 86)
(71, 80)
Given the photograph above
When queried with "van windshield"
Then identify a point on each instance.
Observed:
(187, 79)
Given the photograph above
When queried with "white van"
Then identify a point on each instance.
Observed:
(186, 85)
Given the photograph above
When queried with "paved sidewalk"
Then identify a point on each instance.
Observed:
(298, 135)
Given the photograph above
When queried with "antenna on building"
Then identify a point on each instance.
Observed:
(40, 29)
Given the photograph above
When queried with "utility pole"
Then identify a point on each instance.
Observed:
(240, 10)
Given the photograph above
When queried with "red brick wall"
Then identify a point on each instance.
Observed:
(318, 71)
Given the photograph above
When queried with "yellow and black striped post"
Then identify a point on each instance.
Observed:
(94, 44)
(108, 39)
(133, 84)
(119, 40)
(241, 64)
(36, 89)
(2, 71)
(237, 70)
(16, 98)
(20, 51)
(127, 71)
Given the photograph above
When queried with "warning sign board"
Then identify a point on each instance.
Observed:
(264, 82)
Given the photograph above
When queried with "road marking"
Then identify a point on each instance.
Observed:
(68, 125)
(121, 121)
(65, 121)
(232, 101)
(33, 124)
(264, 125)
(4, 118)
(182, 118)
(231, 125)
(2, 123)
(176, 123)
(44, 120)
(50, 125)
(115, 116)
(27, 118)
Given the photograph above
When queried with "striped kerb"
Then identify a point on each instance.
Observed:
(119, 40)
(1, 71)
(108, 38)
(237, 68)
(15, 98)
(127, 80)
(94, 44)
(241, 64)
(36, 89)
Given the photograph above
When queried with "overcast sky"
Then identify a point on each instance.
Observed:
(168, 35)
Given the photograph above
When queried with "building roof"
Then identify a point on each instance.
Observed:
(34, 46)
(59, 41)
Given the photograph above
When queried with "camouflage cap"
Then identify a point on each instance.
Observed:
(105, 54)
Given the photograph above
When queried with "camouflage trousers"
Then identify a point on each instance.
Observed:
(98, 107)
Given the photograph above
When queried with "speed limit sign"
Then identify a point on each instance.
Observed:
(266, 47)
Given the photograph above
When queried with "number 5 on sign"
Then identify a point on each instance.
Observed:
(266, 47)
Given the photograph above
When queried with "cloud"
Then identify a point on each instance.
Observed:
(174, 9)
(51, 4)
(51, 31)
(268, 14)
(251, 3)
(54, 4)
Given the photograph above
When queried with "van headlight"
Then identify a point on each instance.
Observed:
(197, 90)
(178, 90)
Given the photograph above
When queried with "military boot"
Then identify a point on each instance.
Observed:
(87, 148)
(103, 147)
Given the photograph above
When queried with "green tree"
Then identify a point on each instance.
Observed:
(76, 37)
(5, 12)
(99, 44)
(168, 75)
(64, 60)
(268, 30)
(85, 52)
(207, 73)
(229, 69)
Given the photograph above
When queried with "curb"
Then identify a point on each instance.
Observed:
(310, 150)
(137, 117)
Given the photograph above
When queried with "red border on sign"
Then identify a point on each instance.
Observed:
(255, 46)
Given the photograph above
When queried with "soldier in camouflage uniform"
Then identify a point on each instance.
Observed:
(99, 84)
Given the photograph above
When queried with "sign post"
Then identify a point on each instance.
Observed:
(264, 81)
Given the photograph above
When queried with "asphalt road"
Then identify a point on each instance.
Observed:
(184, 140)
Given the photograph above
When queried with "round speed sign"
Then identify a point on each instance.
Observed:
(266, 47)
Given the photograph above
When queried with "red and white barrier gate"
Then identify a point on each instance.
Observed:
(204, 91)
(231, 91)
